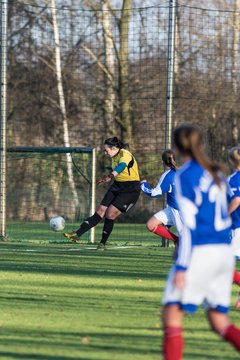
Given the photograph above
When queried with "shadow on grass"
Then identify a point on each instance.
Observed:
(26, 356)
(129, 344)
(98, 344)
(143, 263)
(108, 273)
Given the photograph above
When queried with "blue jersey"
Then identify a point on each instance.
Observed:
(204, 209)
(165, 185)
(234, 183)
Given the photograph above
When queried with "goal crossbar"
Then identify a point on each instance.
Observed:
(49, 150)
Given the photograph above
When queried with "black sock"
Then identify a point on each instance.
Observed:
(107, 229)
(88, 224)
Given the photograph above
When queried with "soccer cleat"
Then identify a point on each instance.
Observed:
(72, 236)
(238, 301)
(101, 246)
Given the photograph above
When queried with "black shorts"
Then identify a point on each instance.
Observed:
(122, 195)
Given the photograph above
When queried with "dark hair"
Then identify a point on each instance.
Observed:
(114, 141)
(234, 155)
(169, 159)
(189, 141)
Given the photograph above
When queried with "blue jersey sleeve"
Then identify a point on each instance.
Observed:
(120, 167)
(234, 185)
(164, 185)
(186, 199)
(230, 193)
(233, 194)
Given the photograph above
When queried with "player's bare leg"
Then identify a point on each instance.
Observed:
(158, 228)
(221, 324)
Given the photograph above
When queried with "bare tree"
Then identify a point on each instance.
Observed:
(125, 102)
(235, 57)
(120, 57)
(62, 104)
(178, 48)
(110, 96)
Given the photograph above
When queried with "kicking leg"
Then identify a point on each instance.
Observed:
(156, 226)
(87, 224)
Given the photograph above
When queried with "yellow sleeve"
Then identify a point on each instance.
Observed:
(126, 157)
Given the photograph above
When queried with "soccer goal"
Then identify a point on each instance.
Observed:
(43, 182)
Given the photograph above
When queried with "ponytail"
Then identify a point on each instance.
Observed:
(188, 140)
(234, 156)
(114, 141)
(168, 159)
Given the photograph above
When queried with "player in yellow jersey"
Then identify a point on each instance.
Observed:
(121, 196)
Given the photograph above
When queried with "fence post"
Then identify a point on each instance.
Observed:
(93, 200)
(170, 79)
(3, 84)
(170, 73)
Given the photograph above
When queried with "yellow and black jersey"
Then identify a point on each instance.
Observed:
(126, 166)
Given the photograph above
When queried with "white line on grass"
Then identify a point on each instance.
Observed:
(111, 248)
(76, 249)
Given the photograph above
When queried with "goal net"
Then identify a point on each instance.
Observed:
(45, 182)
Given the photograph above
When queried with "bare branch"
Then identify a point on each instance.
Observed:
(99, 63)
(53, 102)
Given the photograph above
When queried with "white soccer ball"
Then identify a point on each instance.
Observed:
(57, 223)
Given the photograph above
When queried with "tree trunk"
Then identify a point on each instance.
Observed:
(177, 58)
(125, 102)
(235, 46)
(110, 65)
(177, 62)
(63, 105)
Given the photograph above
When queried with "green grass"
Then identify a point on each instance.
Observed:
(63, 301)
(123, 234)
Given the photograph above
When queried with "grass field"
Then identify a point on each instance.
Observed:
(63, 301)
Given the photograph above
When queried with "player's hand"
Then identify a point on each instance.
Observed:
(179, 279)
(142, 181)
(100, 182)
(105, 180)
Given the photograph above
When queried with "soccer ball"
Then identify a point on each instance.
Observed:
(57, 223)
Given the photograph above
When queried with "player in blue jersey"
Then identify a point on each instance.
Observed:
(205, 262)
(170, 215)
(234, 183)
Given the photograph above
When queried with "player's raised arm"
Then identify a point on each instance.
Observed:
(163, 186)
